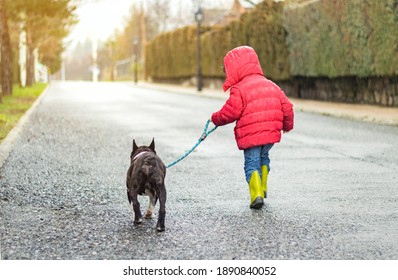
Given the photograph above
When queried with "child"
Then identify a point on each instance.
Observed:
(261, 111)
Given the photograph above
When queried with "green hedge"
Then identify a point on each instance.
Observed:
(343, 38)
(174, 55)
(383, 19)
(267, 35)
(311, 38)
(215, 44)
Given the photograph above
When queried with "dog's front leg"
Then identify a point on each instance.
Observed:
(137, 210)
(162, 209)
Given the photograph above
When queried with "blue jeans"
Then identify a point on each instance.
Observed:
(256, 157)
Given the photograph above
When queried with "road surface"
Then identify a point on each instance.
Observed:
(332, 187)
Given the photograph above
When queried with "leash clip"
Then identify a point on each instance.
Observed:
(203, 136)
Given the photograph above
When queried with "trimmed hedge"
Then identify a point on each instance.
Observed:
(268, 38)
(300, 43)
(343, 38)
(173, 55)
(383, 18)
(215, 44)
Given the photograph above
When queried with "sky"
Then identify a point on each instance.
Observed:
(100, 18)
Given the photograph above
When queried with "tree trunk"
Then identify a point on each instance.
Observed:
(6, 54)
(30, 60)
(1, 43)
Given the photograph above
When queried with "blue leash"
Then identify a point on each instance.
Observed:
(205, 133)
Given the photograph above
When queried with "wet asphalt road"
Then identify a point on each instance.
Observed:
(332, 188)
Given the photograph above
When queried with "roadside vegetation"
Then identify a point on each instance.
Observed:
(14, 106)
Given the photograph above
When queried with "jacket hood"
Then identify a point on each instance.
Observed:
(239, 63)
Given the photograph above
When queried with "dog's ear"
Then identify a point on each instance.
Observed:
(152, 146)
(135, 147)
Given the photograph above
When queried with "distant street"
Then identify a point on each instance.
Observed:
(332, 188)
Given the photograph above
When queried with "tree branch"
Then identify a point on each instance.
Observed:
(250, 2)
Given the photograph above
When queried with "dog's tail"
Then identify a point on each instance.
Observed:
(146, 170)
(148, 167)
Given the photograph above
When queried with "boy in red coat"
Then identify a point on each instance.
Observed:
(261, 111)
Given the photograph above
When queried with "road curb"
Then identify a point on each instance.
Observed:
(8, 143)
(210, 93)
(358, 112)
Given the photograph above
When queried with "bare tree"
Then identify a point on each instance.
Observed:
(159, 12)
(250, 2)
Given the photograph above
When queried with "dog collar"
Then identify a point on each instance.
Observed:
(140, 154)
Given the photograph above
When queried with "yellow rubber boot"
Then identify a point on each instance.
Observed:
(256, 192)
(264, 176)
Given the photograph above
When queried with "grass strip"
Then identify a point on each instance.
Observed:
(14, 106)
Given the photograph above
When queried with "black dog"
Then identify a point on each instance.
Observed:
(146, 175)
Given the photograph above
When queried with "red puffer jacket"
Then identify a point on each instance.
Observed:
(259, 107)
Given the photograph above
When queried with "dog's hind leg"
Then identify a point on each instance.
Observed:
(151, 205)
(137, 210)
(162, 209)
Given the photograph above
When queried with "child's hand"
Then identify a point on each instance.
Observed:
(210, 120)
(284, 132)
